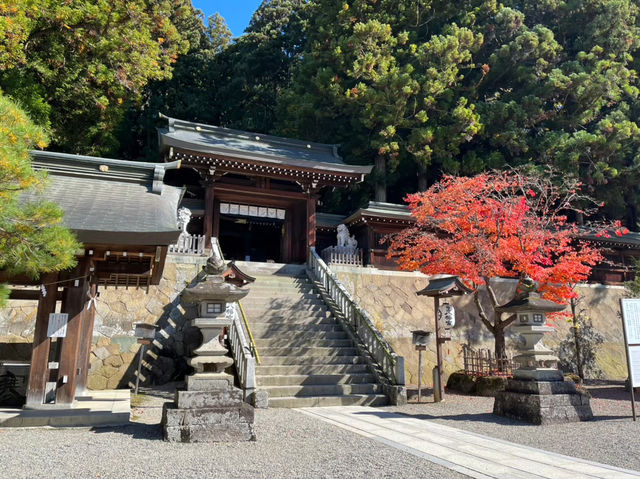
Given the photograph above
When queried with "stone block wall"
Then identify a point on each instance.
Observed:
(114, 348)
(391, 300)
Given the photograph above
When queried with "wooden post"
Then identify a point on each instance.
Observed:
(75, 304)
(208, 212)
(86, 338)
(311, 221)
(439, 341)
(39, 372)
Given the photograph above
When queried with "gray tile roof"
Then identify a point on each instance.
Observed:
(112, 201)
(209, 139)
(382, 210)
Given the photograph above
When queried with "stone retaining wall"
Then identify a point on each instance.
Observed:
(114, 348)
(388, 296)
(391, 300)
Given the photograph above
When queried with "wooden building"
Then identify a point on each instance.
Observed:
(125, 217)
(257, 193)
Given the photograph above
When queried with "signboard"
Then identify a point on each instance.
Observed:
(631, 320)
(57, 325)
(631, 328)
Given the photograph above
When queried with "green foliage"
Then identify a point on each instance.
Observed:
(33, 239)
(232, 84)
(633, 287)
(427, 87)
(77, 65)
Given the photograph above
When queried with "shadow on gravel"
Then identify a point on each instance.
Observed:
(135, 430)
(480, 417)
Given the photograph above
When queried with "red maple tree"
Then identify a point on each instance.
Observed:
(500, 224)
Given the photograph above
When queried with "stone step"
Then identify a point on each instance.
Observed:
(285, 342)
(279, 303)
(308, 360)
(261, 283)
(315, 379)
(322, 390)
(263, 329)
(307, 369)
(326, 401)
(284, 316)
(269, 297)
(312, 351)
(293, 335)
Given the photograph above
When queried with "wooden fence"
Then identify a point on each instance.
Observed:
(337, 255)
(484, 363)
(189, 244)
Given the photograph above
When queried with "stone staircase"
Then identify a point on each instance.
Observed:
(307, 359)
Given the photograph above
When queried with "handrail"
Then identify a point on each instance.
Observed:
(358, 320)
(244, 360)
(254, 350)
(244, 352)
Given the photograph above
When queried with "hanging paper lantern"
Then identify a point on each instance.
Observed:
(447, 314)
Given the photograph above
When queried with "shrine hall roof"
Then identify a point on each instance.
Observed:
(109, 201)
(244, 145)
(383, 212)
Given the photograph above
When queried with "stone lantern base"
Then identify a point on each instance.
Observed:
(542, 402)
(217, 414)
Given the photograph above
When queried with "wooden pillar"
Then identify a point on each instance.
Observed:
(86, 338)
(75, 306)
(208, 212)
(39, 372)
(311, 221)
(439, 341)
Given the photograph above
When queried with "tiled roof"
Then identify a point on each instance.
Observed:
(109, 201)
(209, 139)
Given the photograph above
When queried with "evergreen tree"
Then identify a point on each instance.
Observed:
(77, 65)
(33, 239)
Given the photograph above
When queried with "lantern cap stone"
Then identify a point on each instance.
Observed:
(214, 288)
(443, 286)
(527, 298)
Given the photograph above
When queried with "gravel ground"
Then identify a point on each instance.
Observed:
(293, 445)
(611, 438)
(290, 445)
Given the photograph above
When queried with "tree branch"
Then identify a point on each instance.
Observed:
(481, 312)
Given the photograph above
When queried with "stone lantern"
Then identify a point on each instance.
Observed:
(538, 392)
(211, 409)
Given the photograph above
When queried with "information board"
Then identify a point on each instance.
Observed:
(57, 325)
(631, 323)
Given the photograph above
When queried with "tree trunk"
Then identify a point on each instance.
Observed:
(381, 179)
(422, 177)
(576, 338)
(500, 348)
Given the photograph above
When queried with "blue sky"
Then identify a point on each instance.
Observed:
(237, 13)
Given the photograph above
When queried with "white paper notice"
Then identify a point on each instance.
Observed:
(631, 316)
(57, 327)
(631, 319)
(634, 359)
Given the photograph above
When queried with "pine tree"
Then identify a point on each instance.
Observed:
(33, 239)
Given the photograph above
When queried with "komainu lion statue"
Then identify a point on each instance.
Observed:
(346, 242)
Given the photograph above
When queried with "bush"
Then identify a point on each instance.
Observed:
(461, 382)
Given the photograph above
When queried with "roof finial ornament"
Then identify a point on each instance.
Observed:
(215, 264)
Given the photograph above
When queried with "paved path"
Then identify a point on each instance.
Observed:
(468, 453)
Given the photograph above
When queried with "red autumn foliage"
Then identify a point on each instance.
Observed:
(498, 224)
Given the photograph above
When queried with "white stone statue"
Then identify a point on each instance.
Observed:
(346, 243)
(184, 216)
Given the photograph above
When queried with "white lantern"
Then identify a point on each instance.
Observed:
(447, 314)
